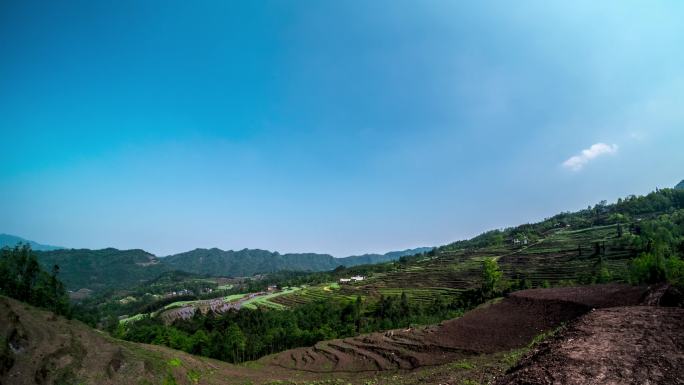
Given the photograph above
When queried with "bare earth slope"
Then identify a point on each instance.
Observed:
(508, 324)
(622, 345)
(41, 348)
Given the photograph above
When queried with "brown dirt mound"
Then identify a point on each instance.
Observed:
(41, 348)
(625, 345)
(38, 347)
(508, 324)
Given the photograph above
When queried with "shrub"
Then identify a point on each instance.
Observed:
(648, 268)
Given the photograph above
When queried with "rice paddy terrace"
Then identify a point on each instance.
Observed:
(561, 257)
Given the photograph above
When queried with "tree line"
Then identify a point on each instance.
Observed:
(22, 278)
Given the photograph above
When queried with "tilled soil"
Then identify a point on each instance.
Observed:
(511, 323)
(622, 345)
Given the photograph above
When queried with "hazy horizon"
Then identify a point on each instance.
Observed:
(332, 127)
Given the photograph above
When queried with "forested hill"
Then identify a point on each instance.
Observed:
(247, 262)
(680, 185)
(102, 269)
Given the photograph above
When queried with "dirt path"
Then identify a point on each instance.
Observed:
(623, 345)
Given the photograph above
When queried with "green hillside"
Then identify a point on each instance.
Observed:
(102, 269)
(246, 262)
(597, 244)
(680, 185)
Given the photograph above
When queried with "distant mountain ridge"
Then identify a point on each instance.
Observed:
(114, 269)
(7, 240)
(247, 262)
(380, 258)
(680, 185)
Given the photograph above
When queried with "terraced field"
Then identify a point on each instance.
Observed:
(562, 257)
(186, 309)
(268, 299)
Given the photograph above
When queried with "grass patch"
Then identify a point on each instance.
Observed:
(233, 297)
(178, 304)
(264, 299)
(174, 362)
(193, 376)
(136, 317)
(464, 365)
(513, 357)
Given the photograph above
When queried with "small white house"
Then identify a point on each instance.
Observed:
(357, 278)
(345, 280)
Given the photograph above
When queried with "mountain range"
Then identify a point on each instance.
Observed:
(7, 240)
(250, 261)
(112, 268)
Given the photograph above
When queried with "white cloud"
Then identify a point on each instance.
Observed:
(577, 162)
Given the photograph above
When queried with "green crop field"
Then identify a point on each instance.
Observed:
(266, 300)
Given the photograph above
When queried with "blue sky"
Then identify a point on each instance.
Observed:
(341, 127)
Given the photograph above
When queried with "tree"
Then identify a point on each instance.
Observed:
(22, 278)
(491, 276)
(648, 268)
(235, 342)
(404, 307)
(357, 312)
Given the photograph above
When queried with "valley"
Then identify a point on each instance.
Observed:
(341, 192)
(490, 309)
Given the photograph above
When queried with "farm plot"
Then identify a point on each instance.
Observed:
(266, 300)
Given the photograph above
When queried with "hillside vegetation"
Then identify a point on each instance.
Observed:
(103, 269)
(636, 239)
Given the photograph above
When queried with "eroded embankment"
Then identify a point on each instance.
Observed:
(508, 324)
